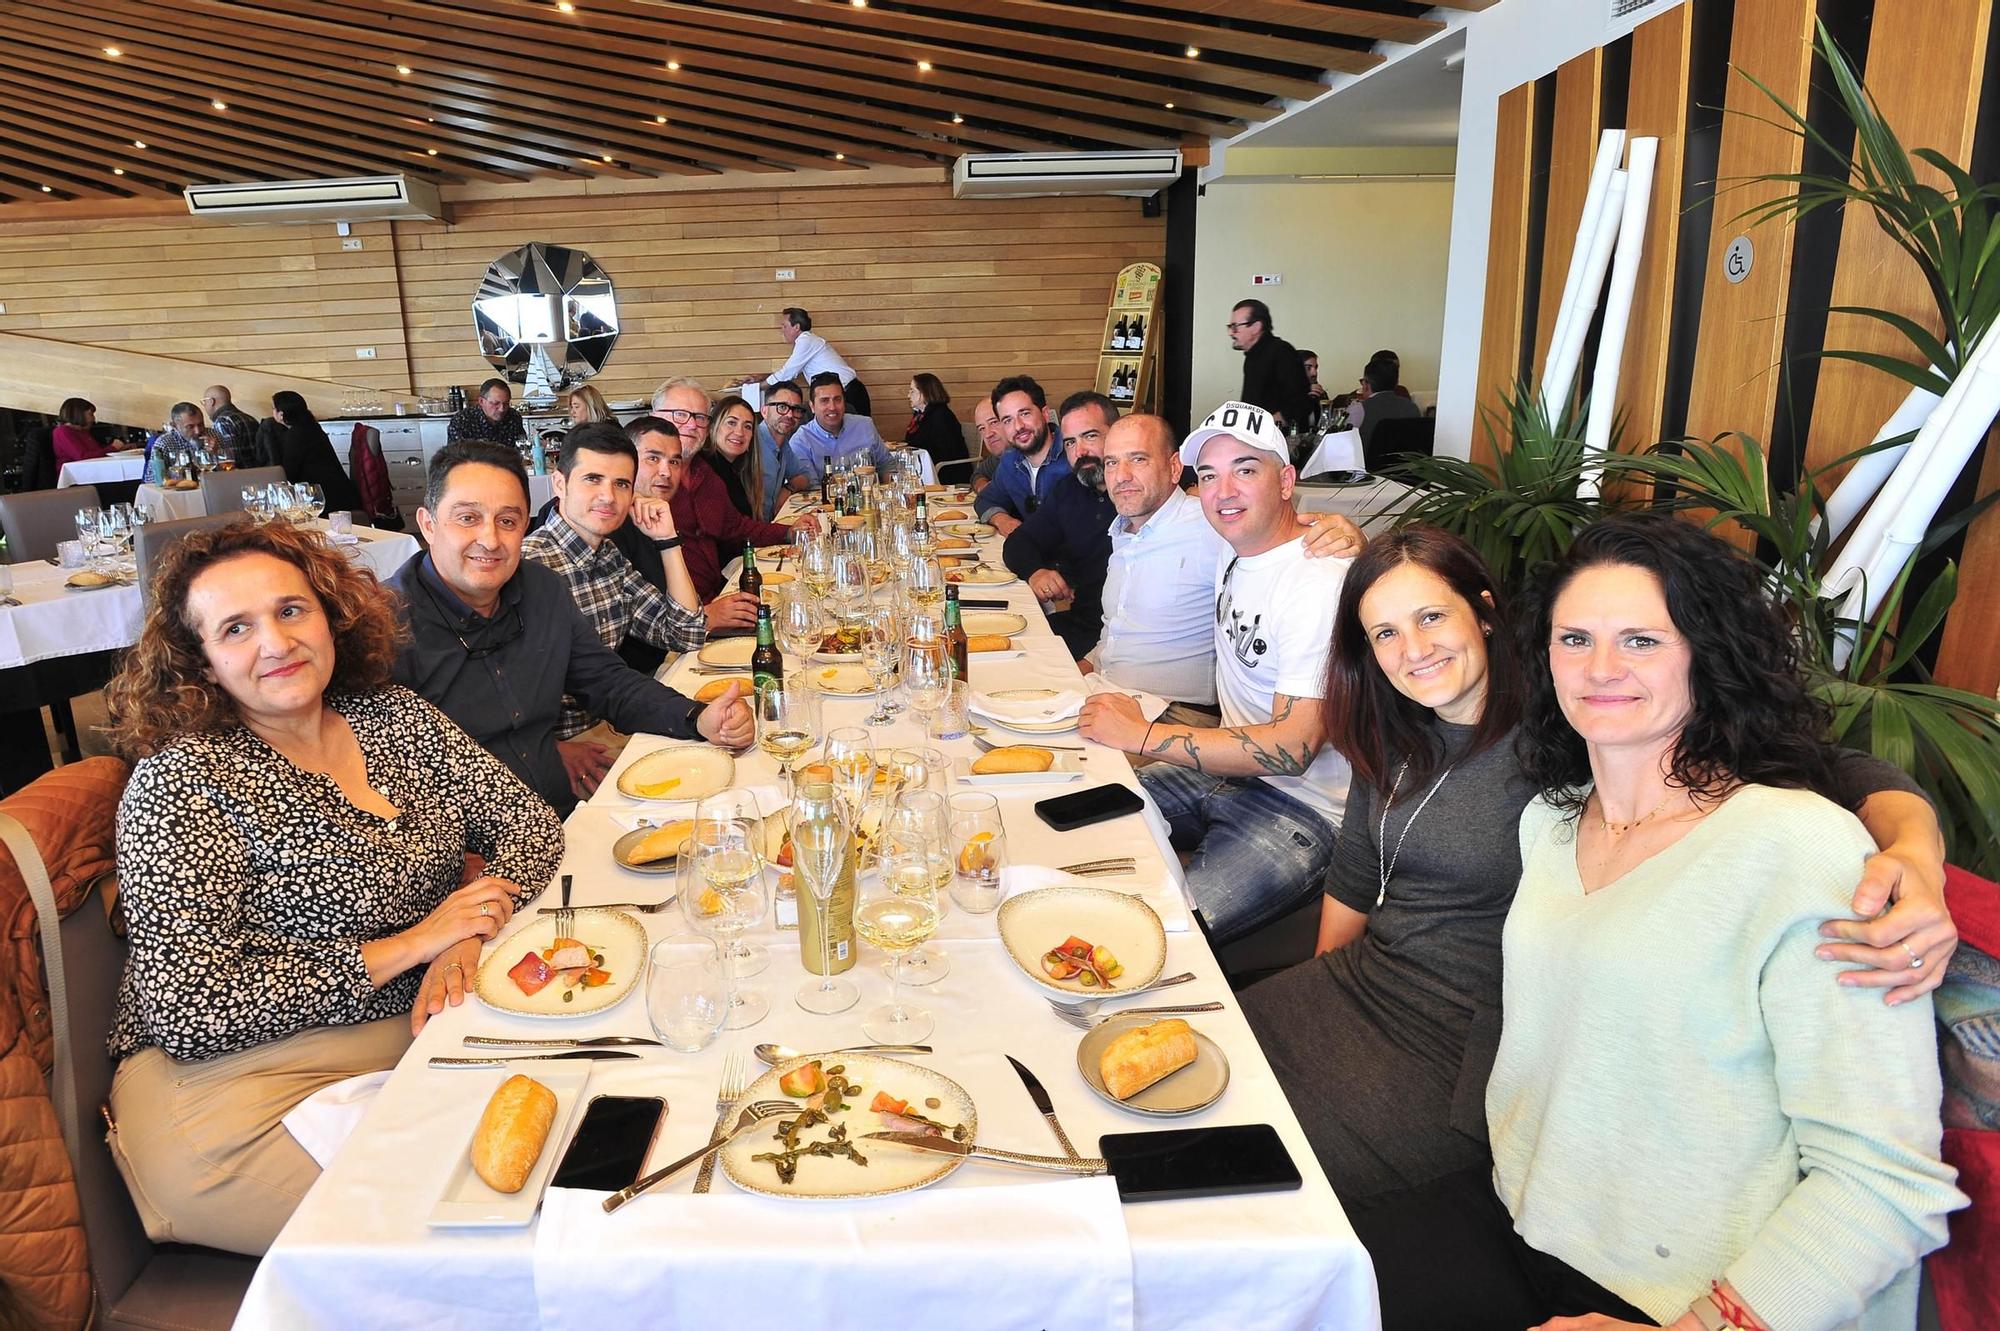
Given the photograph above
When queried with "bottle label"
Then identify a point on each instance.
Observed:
(840, 950)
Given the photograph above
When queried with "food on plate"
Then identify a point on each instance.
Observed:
(531, 975)
(988, 642)
(1075, 959)
(710, 902)
(775, 578)
(899, 1117)
(842, 642)
(821, 1106)
(653, 790)
(953, 543)
(1013, 758)
(512, 1131)
(85, 578)
(715, 688)
(576, 964)
(1139, 1057)
(953, 515)
(662, 843)
(807, 1079)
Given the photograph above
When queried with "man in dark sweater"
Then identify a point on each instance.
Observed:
(1273, 377)
(1064, 546)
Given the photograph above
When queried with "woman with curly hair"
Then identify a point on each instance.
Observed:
(1689, 1124)
(290, 852)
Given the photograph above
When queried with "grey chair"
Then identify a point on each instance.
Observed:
(137, 1284)
(36, 521)
(222, 491)
(961, 468)
(155, 538)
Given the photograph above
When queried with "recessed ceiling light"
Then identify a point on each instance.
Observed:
(47, 190)
(958, 120)
(607, 157)
(1169, 106)
(138, 143)
(924, 65)
(659, 120)
(404, 70)
(117, 170)
(1194, 53)
(219, 104)
(838, 157)
(432, 152)
(858, 4)
(673, 64)
(565, 6)
(113, 52)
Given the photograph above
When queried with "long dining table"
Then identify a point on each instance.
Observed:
(986, 1247)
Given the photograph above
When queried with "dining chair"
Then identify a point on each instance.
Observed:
(222, 491)
(154, 539)
(962, 468)
(36, 521)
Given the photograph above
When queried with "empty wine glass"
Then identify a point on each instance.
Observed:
(800, 625)
(881, 649)
(850, 752)
(927, 670)
(687, 992)
(311, 499)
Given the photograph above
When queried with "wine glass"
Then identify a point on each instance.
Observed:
(978, 851)
(927, 670)
(787, 723)
(820, 843)
(850, 752)
(922, 813)
(816, 567)
(896, 911)
(800, 626)
(687, 992)
(312, 499)
(881, 649)
(87, 534)
(728, 857)
(926, 582)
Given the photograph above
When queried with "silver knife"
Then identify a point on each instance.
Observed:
(924, 1141)
(1040, 1096)
(529, 1058)
(600, 1042)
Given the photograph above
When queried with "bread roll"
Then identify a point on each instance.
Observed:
(1138, 1058)
(988, 642)
(86, 578)
(512, 1132)
(715, 688)
(953, 543)
(953, 515)
(662, 843)
(1013, 758)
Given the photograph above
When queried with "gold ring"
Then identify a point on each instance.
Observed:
(485, 908)
(1916, 962)
(455, 966)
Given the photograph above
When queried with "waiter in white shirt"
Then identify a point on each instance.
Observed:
(813, 355)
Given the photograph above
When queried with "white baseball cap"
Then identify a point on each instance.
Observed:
(1241, 421)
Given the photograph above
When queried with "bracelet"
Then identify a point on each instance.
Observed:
(1149, 735)
(1716, 1311)
(670, 543)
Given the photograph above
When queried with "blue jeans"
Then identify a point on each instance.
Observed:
(1258, 853)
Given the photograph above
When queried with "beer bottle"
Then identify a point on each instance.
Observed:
(750, 580)
(954, 634)
(767, 666)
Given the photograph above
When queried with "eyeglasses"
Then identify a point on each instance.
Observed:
(1232, 327)
(788, 408)
(499, 634)
(682, 417)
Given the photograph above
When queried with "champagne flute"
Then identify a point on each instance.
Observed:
(787, 723)
(896, 911)
(727, 857)
(820, 841)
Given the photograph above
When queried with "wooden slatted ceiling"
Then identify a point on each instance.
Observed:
(520, 89)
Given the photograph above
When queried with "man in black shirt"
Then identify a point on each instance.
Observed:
(1064, 546)
(1273, 378)
(496, 643)
(490, 416)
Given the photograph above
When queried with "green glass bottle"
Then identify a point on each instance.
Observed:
(767, 666)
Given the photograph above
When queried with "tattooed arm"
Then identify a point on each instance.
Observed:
(1282, 746)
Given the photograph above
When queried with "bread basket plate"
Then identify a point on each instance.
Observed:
(677, 773)
(1065, 769)
(981, 577)
(1196, 1086)
(467, 1202)
(1032, 923)
(617, 937)
(625, 847)
(890, 1169)
(1003, 623)
(841, 681)
(728, 652)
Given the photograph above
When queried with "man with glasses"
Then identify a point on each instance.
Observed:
(490, 417)
(784, 412)
(832, 435)
(496, 643)
(1031, 468)
(1064, 545)
(712, 529)
(1273, 377)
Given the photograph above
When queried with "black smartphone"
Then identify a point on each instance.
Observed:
(1099, 804)
(610, 1145)
(1198, 1162)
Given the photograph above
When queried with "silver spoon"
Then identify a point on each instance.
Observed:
(774, 1054)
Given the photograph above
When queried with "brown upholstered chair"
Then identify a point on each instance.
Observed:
(222, 491)
(36, 521)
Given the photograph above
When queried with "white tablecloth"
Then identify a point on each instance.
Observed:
(358, 1252)
(541, 489)
(119, 467)
(53, 620)
(1372, 504)
(169, 505)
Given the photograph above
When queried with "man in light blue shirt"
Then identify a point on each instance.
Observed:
(784, 412)
(831, 435)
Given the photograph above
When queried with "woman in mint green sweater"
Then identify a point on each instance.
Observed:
(1689, 1126)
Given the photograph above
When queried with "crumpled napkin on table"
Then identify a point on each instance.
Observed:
(322, 1122)
(1060, 707)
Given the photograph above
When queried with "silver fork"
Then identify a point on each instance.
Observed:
(1089, 1007)
(565, 917)
(735, 1081)
(758, 1112)
(1084, 1023)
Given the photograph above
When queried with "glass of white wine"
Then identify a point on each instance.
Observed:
(850, 752)
(729, 861)
(740, 806)
(897, 911)
(800, 625)
(787, 723)
(920, 810)
(926, 583)
(927, 671)
(816, 566)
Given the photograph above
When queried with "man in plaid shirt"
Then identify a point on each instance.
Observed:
(593, 491)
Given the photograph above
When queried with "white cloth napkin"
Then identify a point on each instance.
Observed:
(1058, 708)
(1336, 452)
(1150, 704)
(321, 1122)
(913, 1260)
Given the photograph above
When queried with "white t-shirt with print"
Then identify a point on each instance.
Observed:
(1273, 626)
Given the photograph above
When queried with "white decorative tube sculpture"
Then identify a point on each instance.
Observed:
(1610, 146)
(1868, 473)
(1560, 372)
(1640, 157)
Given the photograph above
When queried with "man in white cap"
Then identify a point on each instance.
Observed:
(1258, 799)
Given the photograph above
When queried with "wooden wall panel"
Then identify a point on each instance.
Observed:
(1925, 64)
(1743, 324)
(1969, 654)
(1506, 256)
(1572, 150)
(902, 278)
(1656, 105)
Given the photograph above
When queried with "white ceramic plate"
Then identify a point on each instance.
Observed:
(967, 527)
(623, 848)
(1059, 726)
(617, 937)
(1032, 923)
(841, 681)
(696, 770)
(468, 1203)
(890, 1168)
(727, 652)
(1065, 769)
(1004, 622)
(982, 577)
(1196, 1086)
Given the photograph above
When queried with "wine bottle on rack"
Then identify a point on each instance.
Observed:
(1137, 337)
(1118, 334)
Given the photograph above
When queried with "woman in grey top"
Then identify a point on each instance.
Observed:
(1384, 1040)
